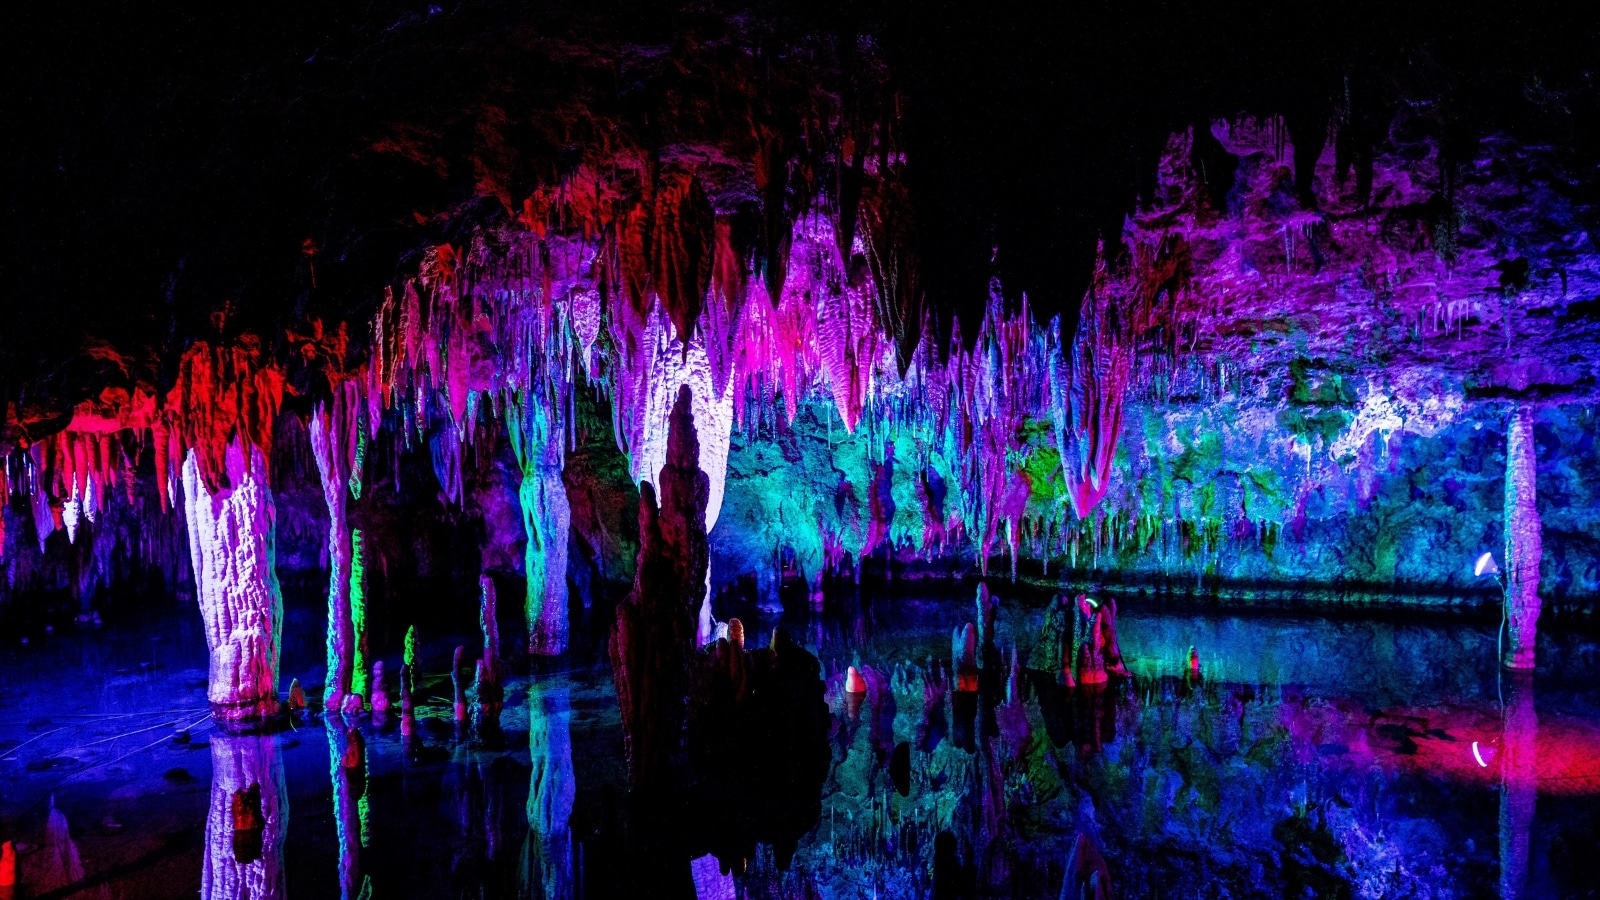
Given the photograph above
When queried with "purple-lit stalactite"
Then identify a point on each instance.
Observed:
(333, 443)
(231, 547)
(548, 854)
(248, 821)
(539, 443)
(1519, 783)
(1523, 550)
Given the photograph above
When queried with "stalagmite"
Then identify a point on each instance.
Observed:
(656, 624)
(380, 693)
(248, 821)
(489, 688)
(1523, 549)
(231, 547)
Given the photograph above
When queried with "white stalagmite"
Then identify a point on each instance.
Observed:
(1523, 547)
(245, 863)
(231, 546)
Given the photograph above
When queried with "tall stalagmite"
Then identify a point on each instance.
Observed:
(1523, 549)
(231, 546)
(248, 820)
(333, 443)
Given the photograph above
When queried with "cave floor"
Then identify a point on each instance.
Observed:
(1352, 757)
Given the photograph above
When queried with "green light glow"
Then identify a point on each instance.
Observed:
(360, 678)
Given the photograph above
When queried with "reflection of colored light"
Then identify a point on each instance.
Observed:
(1478, 756)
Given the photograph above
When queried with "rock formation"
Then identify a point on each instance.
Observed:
(231, 535)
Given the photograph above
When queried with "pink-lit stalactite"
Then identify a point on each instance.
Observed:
(333, 444)
(1519, 783)
(539, 443)
(248, 820)
(1523, 548)
(548, 853)
(231, 547)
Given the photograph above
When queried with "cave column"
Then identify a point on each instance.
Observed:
(1522, 531)
(539, 444)
(248, 819)
(332, 444)
(231, 547)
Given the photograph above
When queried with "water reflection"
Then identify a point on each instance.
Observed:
(547, 853)
(248, 820)
(347, 758)
(1519, 787)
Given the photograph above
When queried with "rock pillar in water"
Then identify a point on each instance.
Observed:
(333, 442)
(657, 623)
(548, 853)
(248, 820)
(231, 547)
(539, 444)
(1523, 548)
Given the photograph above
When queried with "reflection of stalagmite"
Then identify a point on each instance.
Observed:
(1519, 786)
(547, 859)
(248, 821)
(231, 547)
(348, 767)
(1523, 550)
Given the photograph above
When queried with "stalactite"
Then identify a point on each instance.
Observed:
(1523, 543)
(231, 549)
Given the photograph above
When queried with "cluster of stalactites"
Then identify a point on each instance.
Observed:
(661, 296)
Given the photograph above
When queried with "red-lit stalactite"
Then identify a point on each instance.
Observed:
(1523, 540)
(222, 392)
(656, 624)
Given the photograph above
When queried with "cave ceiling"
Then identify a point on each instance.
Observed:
(1379, 190)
